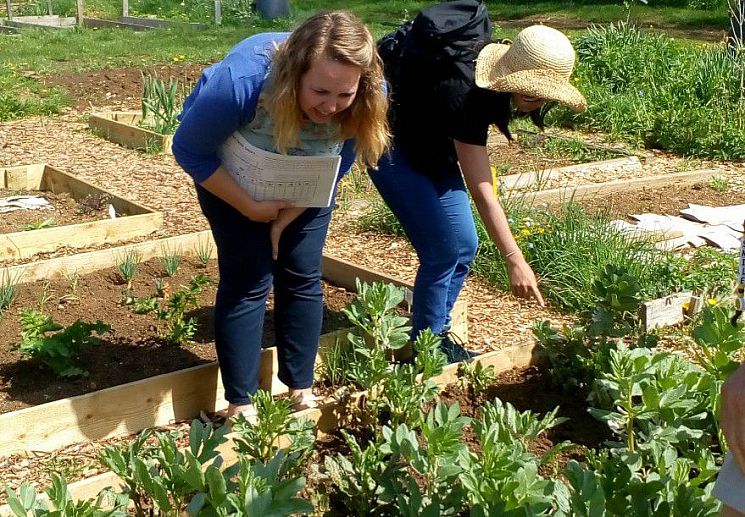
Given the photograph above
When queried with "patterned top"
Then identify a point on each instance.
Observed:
(315, 139)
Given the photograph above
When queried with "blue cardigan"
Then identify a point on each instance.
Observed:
(224, 100)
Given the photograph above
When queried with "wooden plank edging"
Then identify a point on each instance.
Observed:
(567, 194)
(119, 127)
(139, 220)
(326, 417)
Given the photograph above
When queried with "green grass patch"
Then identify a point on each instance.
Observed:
(659, 92)
(569, 248)
(21, 96)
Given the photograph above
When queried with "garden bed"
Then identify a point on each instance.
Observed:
(135, 348)
(133, 220)
(122, 128)
(663, 199)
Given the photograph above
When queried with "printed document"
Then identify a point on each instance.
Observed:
(308, 181)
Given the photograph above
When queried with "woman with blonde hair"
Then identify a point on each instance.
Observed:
(315, 91)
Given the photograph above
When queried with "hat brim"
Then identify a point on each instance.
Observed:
(543, 84)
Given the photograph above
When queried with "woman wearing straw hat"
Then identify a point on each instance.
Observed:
(440, 140)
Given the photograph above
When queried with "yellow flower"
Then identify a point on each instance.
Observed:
(712, 301)
(525, 231)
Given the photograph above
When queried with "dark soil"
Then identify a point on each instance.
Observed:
(119, 88)
(64, 210)
(530, 389)
(134, 348)
(661, 200)
(526, 389)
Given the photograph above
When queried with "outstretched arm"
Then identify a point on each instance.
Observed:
(474, 162)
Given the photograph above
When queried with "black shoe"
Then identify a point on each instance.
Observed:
(452, 346)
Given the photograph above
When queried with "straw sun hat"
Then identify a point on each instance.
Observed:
(537, 64)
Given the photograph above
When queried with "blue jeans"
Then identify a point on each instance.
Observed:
(247, 272)
(435, 213)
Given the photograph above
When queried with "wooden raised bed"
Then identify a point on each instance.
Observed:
(139, 220)
(159, 400)
(52, 21)
(526, 180)
(121, 127)
(327, 417)
(567, 194)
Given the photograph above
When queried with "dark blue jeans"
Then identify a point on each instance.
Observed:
(247, 272)
(435, 213)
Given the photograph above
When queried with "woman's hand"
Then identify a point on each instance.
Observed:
(284, 218)
(224, 186)
(264, 211)
(522, 279)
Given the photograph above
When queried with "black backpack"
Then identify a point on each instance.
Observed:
(425, 60)
(441, 40)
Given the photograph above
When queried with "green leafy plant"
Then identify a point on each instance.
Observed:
(718, 341)
(373, 312)
(362, 483)
(171, 260)
(474, 377)
(25, 500)
(161, 104)
(260, 440)
(180, 328)
(204, 251)
(39, 225)
(41, 340)
(8, 289)
(511, 424)
(127, 265)
(162, 476)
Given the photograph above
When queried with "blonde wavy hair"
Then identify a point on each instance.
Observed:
(340, 36)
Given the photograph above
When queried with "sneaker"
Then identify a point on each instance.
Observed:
(452, 346)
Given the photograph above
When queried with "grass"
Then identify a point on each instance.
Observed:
(655, 91)
(21, 96)
(569, 248)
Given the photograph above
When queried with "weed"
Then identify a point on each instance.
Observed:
(46, 295)
(93, 203)
(161, 287)
(720, 184)
(73, 285)
(39, 225)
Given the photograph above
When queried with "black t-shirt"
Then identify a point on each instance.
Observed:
(425, 120)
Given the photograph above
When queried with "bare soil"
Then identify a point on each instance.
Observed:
(661, 200)
(63, 209)
(134, 348)
(118, 88)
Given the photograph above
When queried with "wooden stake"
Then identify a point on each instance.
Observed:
(49, 8)
(218, 12)
(10, 9)
(125, 7)
(80, 9)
